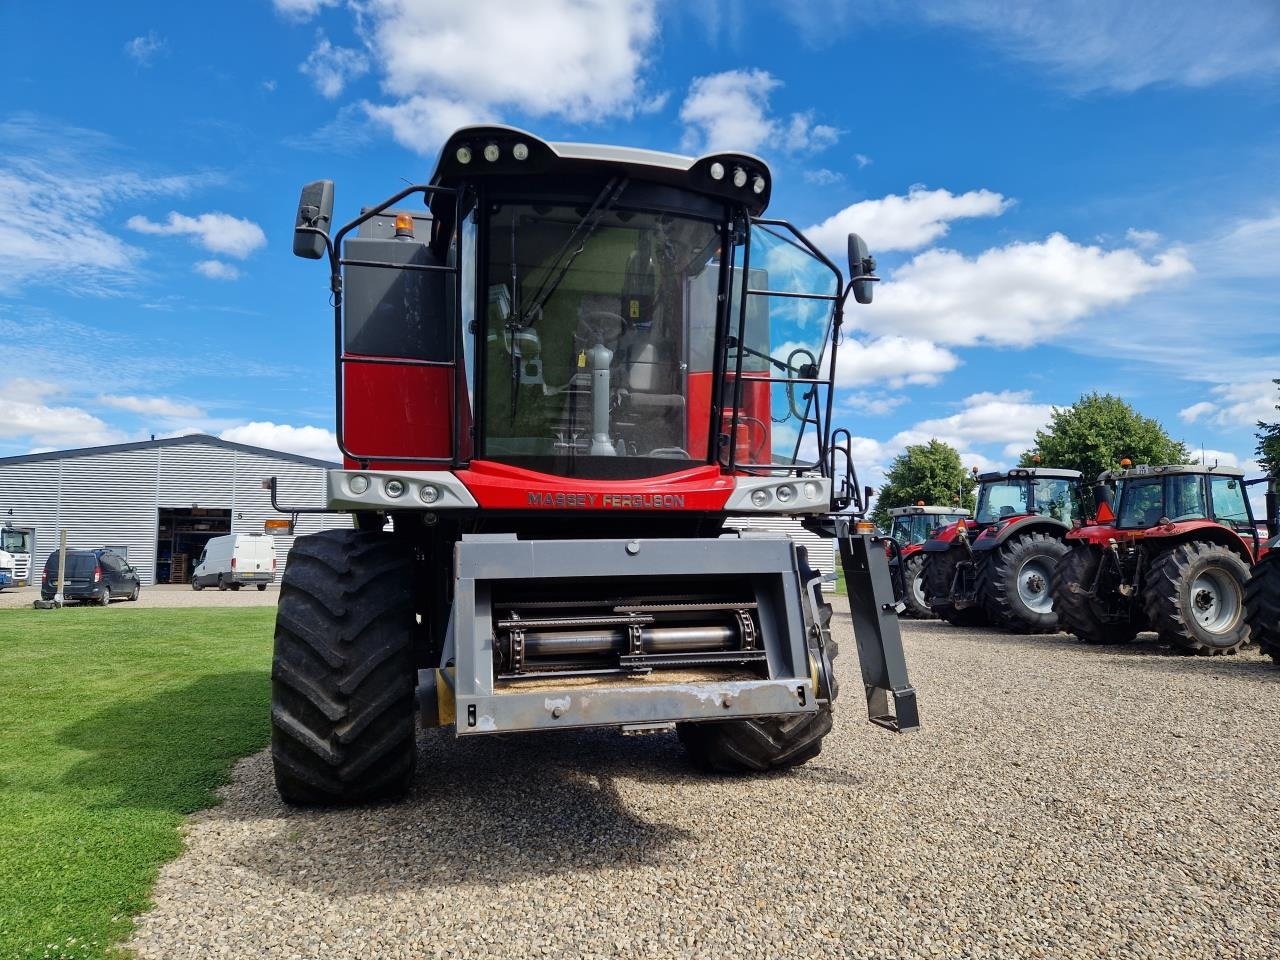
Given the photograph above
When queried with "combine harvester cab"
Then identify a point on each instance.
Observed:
(554, 385)
(912, 528)
(997, 568)
(1262, 594)
(1174, 556)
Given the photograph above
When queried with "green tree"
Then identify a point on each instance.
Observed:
(1269, 443)
(931, 472)
(1096, 432)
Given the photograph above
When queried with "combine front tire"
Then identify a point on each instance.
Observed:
(913, 582)
(342, 679)
(1194, 597)
(1262, 604)
(772, 743)
(1078, 613)
(1015, 581)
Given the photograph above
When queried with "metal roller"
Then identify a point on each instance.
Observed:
(539, 643)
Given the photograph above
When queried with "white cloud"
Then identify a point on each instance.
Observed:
(421, 123)
(1236, 405)
(28, 415)
(1142, 238)
(872, 404)
(580, 60)
(144, 50)
(51, 176)
(305, 441)
(905, 223)
(823, 177)
(330, 67)
(1099, 44)
(862, 160)
(1008, 417)
(216, 232)
(217, 270)
(730, 111)
(151, 406)
(1015, 295)
(896, 361)
(301, 9)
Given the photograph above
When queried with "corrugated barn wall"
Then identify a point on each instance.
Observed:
(111, 496)
(822, 550)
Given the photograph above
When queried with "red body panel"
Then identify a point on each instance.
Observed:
(948, 533)
(754, 440)
(391, 410)
(498, 486)
(1099, 534)
(698, 407)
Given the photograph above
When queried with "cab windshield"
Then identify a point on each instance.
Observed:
(1047, 496)
(915, 528)
(15, 541)
(598, 324)
(1145, 501)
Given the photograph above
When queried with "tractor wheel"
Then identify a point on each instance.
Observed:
(1015, 580)
(1083, 615)
(1262, 604)
(939, 574)
(1194, 597)
(913, 580)
(771, 743)
(342, 678)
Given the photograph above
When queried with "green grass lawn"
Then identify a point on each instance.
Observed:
(113, 726)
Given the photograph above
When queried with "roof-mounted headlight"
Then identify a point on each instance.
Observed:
(491, 152)
(716, 170)
(739, 177)
(463, 154)
(758, 184)
(520, 151)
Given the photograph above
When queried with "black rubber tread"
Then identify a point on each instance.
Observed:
(997, 586)
(913, 567)
(759, 744)
(756, 745)
(342, 678)
(939, 573)
(1166, 598)
(1079, 614)
(1262, 604)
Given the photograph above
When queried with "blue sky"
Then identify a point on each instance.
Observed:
(1063, 197)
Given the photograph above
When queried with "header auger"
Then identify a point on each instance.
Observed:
(554, 384)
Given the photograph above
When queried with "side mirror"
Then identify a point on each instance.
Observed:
(862, 269)
(315, 215)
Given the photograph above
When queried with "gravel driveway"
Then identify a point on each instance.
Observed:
(1060, 801)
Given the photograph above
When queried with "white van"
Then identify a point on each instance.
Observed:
(230, 562)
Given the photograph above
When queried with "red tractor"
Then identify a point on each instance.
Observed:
(1262, 594)
(911, 528)
(1173, 557)
(997, 567)
(554, 385)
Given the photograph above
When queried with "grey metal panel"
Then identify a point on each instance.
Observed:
(821, 550)
(29, 498)
(108, 499)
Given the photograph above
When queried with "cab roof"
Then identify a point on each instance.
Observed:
(931, 511)
(1048, 473)
(1146, 470)
(589, 159)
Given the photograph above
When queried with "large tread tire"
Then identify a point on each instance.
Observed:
(760, 744)
(939, 574)
(1079, 614)
(342, 678)
(1172, 609)
(914, 596)
(1000, 583)
(1262, 604)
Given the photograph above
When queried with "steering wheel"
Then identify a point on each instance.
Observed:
(598, 323)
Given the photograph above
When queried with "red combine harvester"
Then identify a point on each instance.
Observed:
(1173, 557)
(911, 528)
(997, 567)
(553, 387)
(1262, 593)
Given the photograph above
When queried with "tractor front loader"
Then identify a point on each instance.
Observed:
(997, 567)
(554, 385)
(1174, 558)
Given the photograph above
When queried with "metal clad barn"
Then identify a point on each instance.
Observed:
(822, 551)
(158, 501)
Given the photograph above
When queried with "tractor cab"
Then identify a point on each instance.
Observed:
(912, 526)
